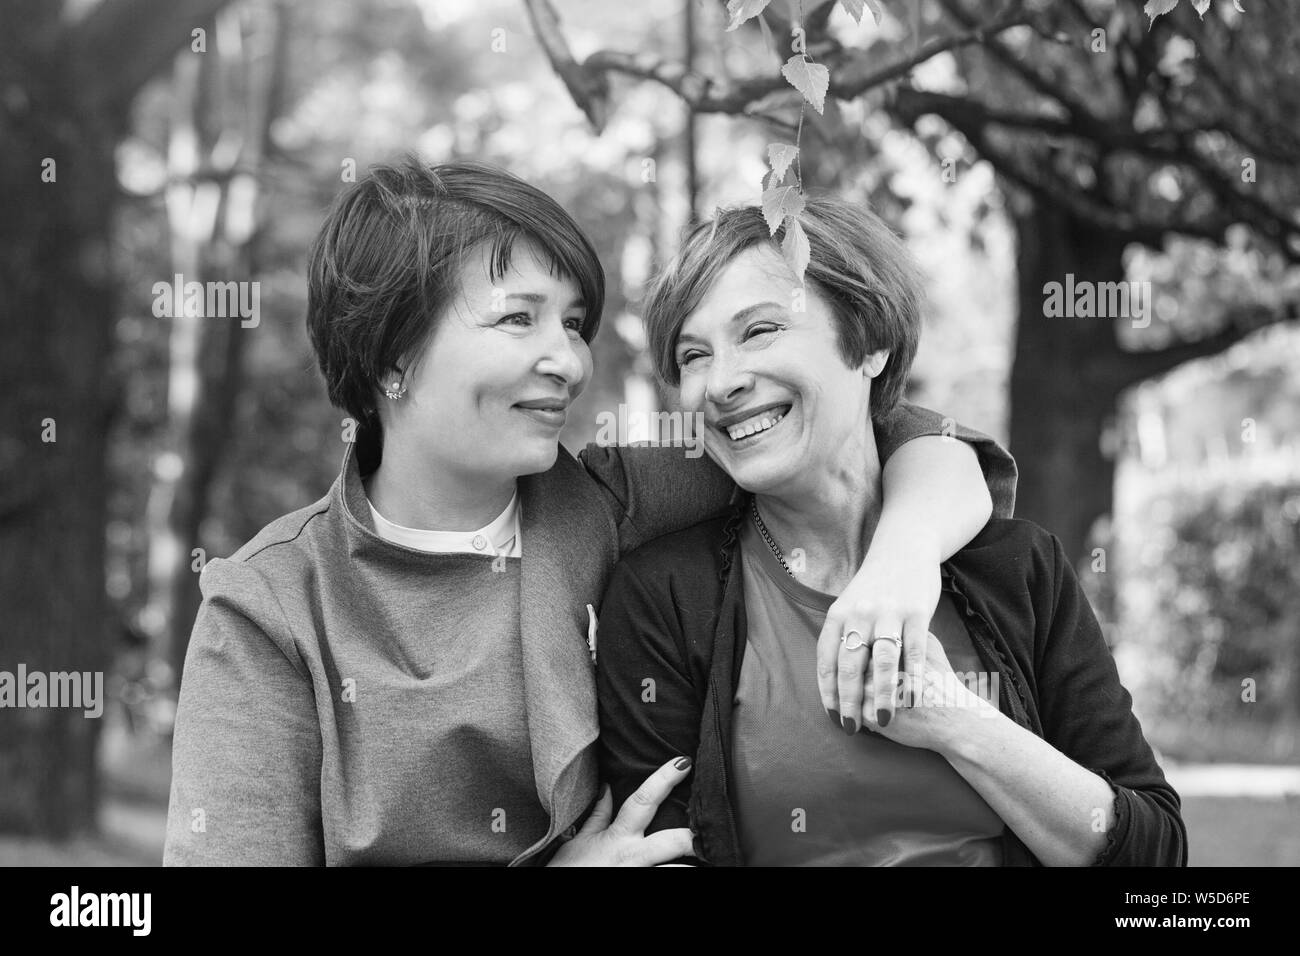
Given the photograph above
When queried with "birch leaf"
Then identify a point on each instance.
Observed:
(794, 247)
(810, 79)
(854, 9)
(779, 203)
(779, 157)
(742, 10)
(1156, 8)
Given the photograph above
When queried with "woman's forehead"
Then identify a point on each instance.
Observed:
(756, 276)
(528, 271)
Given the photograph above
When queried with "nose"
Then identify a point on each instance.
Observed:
(728, 378)
(561, 358)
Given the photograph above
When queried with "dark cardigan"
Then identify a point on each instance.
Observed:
(672, 639)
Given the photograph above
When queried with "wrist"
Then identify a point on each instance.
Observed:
(964, 736)
(898, 537)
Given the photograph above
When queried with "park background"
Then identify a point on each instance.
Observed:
(1012, 143)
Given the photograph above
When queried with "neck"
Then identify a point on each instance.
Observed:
(415, 491)
(831, 517)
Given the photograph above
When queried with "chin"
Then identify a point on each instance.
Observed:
(760, 480)
(538, 461)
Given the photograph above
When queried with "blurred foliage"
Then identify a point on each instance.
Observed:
(1213, 597)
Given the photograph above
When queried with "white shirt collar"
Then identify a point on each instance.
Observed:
(500, 537)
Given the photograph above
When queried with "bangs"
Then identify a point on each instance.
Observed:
(501, 251)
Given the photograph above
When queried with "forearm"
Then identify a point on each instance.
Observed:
(1060, 810)
(935, 498)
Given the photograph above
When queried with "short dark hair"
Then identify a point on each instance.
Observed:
(388, 258)
(856, 263)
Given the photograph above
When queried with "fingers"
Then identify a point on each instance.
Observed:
(640, 808)
(849, 676)
(600, 814)
(663, 846)
(916, 637)
(884, 669)
(828, 660)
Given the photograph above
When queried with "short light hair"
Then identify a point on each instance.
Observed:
(857, 264)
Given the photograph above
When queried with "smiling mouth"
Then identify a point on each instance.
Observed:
(551, 415)
(758, 424)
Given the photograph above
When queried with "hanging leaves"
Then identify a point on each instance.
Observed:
(809, 78)
(794, 247)
(781, 202)
(742, 10)
(1156, 8)
(854, 9)
(779, 157)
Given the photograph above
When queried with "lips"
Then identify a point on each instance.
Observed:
(546, 411)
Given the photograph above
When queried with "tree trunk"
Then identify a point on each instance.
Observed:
(207, 352)
(56, 308)
(1063, 381)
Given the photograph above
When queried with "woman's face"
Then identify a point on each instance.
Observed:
(782, 410)
(487, 398)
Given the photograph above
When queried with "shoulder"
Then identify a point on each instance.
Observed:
(691, 554)
(282, 550)
(262, 587)
(1013, 550)
(1016, 571)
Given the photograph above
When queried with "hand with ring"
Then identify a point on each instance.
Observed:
(871, 638)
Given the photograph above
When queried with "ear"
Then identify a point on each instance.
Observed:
(874, 363)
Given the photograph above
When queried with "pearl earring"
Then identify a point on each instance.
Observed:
(396, 391)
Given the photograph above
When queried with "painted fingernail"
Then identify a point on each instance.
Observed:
(834, 715)
(882, 717)
(850, 725)
(682, 763)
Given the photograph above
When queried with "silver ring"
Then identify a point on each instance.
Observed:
(893, 638)
(859, 642)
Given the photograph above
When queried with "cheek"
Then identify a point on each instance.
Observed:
(690, 392)
(588, 365)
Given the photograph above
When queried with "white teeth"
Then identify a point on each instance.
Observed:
(752, 427)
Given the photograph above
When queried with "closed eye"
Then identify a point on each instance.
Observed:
(688, 356)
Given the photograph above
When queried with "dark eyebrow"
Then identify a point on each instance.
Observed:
(537, 299)
(740, 316)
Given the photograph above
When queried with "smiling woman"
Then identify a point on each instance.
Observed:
(399, 673)
(1053, 770)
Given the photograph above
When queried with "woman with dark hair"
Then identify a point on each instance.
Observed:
(1014, 743)
(399, 673)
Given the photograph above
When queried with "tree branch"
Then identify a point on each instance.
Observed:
(589, 88)
(851, 73)
(1134, 367)
(122, 44)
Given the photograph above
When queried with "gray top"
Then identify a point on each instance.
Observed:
(806, 793)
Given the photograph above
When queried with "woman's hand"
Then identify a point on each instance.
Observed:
(941, 708)
(623, 842)
(894, 594)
